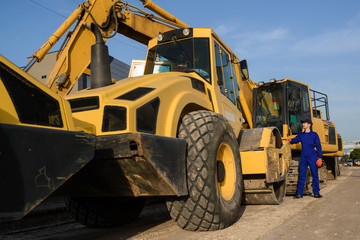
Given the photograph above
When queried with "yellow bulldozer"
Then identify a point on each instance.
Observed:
(283, 104)
(182, 131)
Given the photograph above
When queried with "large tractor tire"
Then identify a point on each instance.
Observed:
(104, 211)
(332, 166)
(214, 174)
(337, 167)
(323, 175)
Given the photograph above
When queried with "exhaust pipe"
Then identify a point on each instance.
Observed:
(100, 61)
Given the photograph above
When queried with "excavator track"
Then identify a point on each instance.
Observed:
(292, 179)
(272, 195)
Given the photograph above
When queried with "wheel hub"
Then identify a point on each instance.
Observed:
(226, 171)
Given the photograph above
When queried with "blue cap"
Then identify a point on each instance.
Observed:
(306, 121)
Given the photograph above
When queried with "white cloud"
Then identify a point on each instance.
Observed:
(223, 30)
(264, 36)
(355, 21)
(280, 40)
(253, 43)
(335, 42)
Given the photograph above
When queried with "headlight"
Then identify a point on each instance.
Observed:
(186, 31)
(160, 37)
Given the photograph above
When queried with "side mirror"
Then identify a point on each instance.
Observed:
(244, 70)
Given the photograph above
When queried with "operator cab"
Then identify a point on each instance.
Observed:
(282, 104)
(200, 51)
(178, 51)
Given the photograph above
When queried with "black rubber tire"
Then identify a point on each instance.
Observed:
(104, 211)
(337, 167)
(204, 208)
(323, 175)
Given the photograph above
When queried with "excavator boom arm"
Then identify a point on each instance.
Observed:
(110, 17)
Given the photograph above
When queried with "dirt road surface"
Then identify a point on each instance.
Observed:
(335, 216)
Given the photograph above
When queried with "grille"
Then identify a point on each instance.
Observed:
(198, 85)
(114, 119)
(340, 143)
(146, 116)
(332, 135)
(84, 104)
(135, 94)
(32, 105)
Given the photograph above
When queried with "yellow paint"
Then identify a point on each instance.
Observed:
(266, 137)
(10, 115)
(75, 56)
(253, 162)
(7, 111)
(227, 187)
(175, 93)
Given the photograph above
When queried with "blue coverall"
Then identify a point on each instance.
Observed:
(308, 158)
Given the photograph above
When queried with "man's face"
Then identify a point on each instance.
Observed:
(306, 125)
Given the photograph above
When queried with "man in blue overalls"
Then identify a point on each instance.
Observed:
(309, 140)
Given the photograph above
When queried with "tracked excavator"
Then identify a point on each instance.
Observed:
(176, 132)
(283, 104)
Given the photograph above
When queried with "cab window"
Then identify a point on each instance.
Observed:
(298, 106)
(189, 55)
(236, 86)
(219, 68)
(269, 107)
(224, 69)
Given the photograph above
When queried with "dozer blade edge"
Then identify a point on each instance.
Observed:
(34, 162)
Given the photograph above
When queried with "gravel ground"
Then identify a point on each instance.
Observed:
(335, 216)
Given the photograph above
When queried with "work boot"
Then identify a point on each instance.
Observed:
(298, 196)
(318, 196)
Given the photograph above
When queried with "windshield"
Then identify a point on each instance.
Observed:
(190, 55)
(269, 107)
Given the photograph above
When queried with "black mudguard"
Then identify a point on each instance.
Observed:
(132, 165)
(34, 162)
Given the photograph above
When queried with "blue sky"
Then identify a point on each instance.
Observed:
(315, 42)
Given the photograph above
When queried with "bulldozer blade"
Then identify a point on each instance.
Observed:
(153, 165)
(34, 162)
(132, 164)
